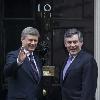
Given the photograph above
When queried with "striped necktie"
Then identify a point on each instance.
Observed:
(34, 67)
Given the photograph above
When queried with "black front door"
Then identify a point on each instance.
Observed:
(51, 18)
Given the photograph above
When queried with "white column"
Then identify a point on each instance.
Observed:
(97, 41)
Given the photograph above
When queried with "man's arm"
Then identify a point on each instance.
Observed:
(89, 80)
(11, 65)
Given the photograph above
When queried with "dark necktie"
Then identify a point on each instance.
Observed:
(33, 64)
(69, 61)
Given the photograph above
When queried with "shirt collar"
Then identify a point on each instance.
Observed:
(73, 56)
(27, 52)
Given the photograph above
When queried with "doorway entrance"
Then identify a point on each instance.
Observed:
(51, 18)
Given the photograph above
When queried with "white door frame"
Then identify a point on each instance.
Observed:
(97, 41)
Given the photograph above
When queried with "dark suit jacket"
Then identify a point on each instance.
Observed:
(80, 79)
(21, 82)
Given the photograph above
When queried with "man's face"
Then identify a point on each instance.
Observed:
(29, 42)
(73, 44)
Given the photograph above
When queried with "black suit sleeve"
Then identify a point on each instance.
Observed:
(89, 80)
(11, 66)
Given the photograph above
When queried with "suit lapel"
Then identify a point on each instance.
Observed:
(27, 67)
(61, 76)
(73, 65)
(29, 70)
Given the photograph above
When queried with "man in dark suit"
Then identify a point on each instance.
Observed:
(79, 72)
(23, 69)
